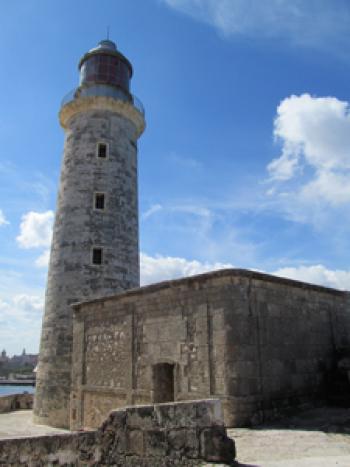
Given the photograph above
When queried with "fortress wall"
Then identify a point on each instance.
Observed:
(119, 341)
(259, 343)
(283, 338)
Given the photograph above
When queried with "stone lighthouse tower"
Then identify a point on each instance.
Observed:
(95, 249)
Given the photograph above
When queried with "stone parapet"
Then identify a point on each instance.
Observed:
(177, 434)
(16, 402)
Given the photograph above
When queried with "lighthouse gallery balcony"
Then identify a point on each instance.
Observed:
(105, 91)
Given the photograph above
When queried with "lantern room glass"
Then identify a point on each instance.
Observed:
(105, 69)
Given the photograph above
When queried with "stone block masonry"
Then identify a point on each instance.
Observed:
(95, 250)
(16, 402)
(259, 343)
(78, 227)
(184, 434)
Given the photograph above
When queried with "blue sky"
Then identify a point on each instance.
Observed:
(245, 161)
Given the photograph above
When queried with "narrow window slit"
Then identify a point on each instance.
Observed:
(97, 256)
(102, 150)
(99, 202)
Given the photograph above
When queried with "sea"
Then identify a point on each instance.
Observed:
(8, 390)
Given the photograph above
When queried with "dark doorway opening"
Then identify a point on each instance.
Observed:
(163, 382)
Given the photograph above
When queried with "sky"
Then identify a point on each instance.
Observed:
(245, 161)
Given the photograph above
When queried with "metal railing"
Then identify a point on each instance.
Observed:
(138, 104)
(106, 91)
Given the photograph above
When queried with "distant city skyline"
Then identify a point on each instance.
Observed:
(16, 354)
(245, 161)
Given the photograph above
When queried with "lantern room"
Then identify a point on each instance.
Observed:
(105, 65)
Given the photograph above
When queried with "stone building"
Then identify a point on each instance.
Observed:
(25, 359)
(259, 343)
(3, 357)
(18, 361)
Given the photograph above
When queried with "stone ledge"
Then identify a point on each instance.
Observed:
(84, 104)
(16, 402)
(176, 434)
(206, 277)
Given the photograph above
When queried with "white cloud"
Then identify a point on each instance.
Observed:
(152, 210)
(27, 305)
(36, 229)
(311, 178)
(313, 22)
(313, 130)
(193, 209)
(210, 231)
(24, 306)
(43, 260)
(159, 268)
(317, 274)
(20, 319)
(3, 220)
(21, 307)
(284, 167)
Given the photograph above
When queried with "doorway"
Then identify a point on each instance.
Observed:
(163, 382)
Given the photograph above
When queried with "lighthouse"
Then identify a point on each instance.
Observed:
(95, 247)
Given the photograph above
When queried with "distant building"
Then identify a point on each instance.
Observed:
(18, 361)
(3, 358)
(24, 360)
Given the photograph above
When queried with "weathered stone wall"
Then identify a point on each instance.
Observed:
(78, 228)
(259, 343)
(118, 342)
(165, 435)
(16, 402)
(282, 338)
